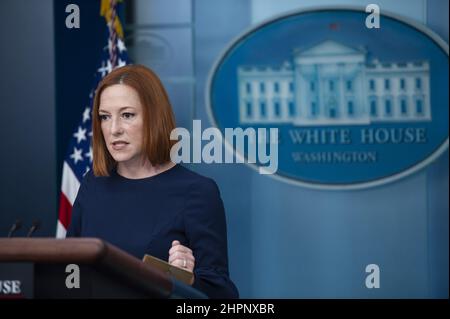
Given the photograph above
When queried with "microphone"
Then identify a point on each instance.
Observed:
(36, 224)
(16, 226)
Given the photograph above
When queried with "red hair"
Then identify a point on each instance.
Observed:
(159, 119)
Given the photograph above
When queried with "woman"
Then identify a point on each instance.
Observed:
(140, 201)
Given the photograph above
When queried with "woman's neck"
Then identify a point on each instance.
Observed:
(139, 170)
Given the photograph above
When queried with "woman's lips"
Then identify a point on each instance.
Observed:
(117, 146)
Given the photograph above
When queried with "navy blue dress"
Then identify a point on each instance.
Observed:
(144, 216)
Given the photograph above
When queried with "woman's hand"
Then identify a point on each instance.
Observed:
(181, 256)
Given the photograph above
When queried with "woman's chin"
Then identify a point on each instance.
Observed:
(121, 158)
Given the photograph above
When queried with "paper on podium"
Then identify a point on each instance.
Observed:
(181, 274)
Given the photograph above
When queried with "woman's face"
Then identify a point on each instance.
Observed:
(121, 116)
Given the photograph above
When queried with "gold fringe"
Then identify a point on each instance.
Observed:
(105, 11)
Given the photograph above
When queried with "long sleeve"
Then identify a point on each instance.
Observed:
(205, 225)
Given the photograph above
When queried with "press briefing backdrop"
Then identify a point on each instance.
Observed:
(285, 240)
(298, 242)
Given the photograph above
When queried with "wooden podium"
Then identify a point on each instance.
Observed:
(36, 268)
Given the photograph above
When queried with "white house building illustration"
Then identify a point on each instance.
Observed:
(333, 84)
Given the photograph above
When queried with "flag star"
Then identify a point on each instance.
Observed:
(80, 135)
(109, 67)
(86, 115)
(89, 154)
(121, 63)
(104, 69)
(90, 133)
(76, 155)
(121, 45)
(87, 170)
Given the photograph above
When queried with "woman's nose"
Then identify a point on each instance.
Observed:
(116, 127)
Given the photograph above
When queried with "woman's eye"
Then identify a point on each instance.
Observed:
(103, 117)
(128, 115)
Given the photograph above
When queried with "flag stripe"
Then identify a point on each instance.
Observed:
(65, 211)
(60, 230)
(70, 184)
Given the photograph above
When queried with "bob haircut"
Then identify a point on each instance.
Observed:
(158, 118)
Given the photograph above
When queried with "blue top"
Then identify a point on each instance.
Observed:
(144, 216)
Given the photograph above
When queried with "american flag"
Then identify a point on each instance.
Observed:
(78, 160)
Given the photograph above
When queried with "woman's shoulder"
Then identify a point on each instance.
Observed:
(196, 180)
(90, 179)
(193, 176)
